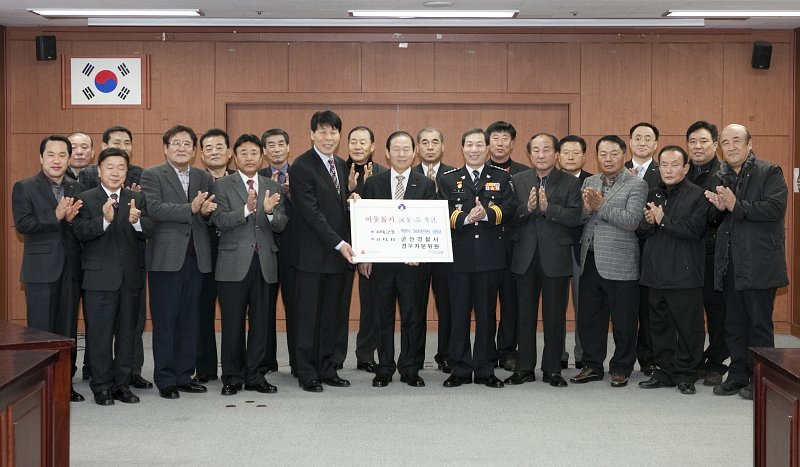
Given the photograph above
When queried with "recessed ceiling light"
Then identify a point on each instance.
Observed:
(112, 13)
(437, 4)
(731, 13)
(433, 13)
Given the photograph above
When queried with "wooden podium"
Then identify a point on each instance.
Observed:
(776, 385)
(16, 337)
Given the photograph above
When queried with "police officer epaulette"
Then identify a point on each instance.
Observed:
(449, 171)
(498, 168)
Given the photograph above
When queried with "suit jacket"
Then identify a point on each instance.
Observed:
(320, 214)
(612, 229)
(89, 177)
(239, 234)
(549, 232)
(652, 176)
(419, 187)
(479, 246)
(50, 244)
(577, 232)
(174, 224)
(117, 252)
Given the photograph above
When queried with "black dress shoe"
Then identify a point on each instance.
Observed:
(649, 369)
(169, 392)
(140, 383)
(444, 365)
(381, 381)
(520, 377)
(555, 380)
(490, 381)
(746, 392)
(264, 388)
(728, 388)
(653, 383)
(413, 380)
(201, 378)
(687, 388)
(74, 396)
(312, 385)
(124, 394)
(369, 367)
(508, 364)
(230, 389)
(336, 381)
(454, 381)
(192, 387)
(103, 398)
(586, 374)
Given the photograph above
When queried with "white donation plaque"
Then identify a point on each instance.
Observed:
(401, 231)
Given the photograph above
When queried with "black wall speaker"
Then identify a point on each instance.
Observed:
(45, 48)
(762, 53)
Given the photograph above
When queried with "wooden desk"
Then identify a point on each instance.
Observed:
(27, 435)
(16, 337)
(776, 384)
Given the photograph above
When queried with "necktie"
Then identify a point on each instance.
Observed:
(431, 173)
(475, 177)
(251, 185)
(58, 192)
(332, 169)
(115, 199)
(399, 191)
(281, 177)
(639, 171)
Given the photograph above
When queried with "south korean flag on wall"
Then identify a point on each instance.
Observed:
(106, 81)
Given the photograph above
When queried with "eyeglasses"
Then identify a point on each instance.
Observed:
(184, 144)
(646, 139)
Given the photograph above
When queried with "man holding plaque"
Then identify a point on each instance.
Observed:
(480, 198)
(389, 283)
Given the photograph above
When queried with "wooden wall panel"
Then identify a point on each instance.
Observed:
(251, 67)
(182, 86)
(4, 229)
(324, 67)
(687, 85)
(544, 68)
(471, 67)
(35, 91)
(758, 98)
(615, 87)
(389, 68)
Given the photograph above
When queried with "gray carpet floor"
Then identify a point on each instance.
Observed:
(531, 424)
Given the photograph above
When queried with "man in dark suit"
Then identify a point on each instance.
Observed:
(248, 211)
(216, 154)
(113, 226)
(481, 200)
(643, 145)
(360, 166)
(571, 159)
(321, 252)
(548, 205)
(276, 152)
(430, 149)
(701, 142)
(613, 204)
(178, 254)
(43, 206)
(121, 137)
(390, 283)
(672, 268)
(501, 144)
(750, 262)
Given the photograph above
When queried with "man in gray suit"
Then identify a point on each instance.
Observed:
(613, 203)
(248, 211)
(548, 206)
(178, 254)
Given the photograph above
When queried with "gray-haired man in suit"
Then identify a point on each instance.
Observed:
(613, 203)
(249, 210)
(177, 256)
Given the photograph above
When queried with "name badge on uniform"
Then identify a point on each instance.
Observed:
(492, 186)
